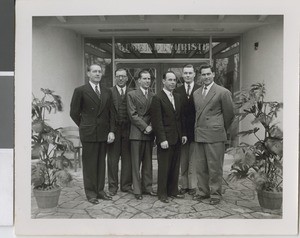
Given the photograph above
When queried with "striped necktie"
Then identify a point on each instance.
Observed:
(97, 91)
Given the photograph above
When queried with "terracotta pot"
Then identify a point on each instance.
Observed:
(47, 199)
(269, 199)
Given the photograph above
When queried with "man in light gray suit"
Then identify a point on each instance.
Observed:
(141, 136)
(214, 115)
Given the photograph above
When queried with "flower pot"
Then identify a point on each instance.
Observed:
(47, 199)
(269, 199)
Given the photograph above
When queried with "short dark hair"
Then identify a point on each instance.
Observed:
(189, 66)
(169, 71)
(206, 66)
(143, 71)
(121, 69)
(89, 67)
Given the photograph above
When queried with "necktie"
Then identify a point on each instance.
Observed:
(188, 90)
(146, 94)
(172, 100)
(97, 91)
(204, 92)
(122, 93)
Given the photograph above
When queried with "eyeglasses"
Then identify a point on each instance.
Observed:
(121, 77)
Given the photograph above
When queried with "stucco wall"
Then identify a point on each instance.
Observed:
(264, 64)
(57, 65)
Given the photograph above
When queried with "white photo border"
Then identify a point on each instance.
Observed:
(26, 9)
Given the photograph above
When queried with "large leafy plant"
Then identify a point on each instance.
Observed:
(48, 145)
(260, 162)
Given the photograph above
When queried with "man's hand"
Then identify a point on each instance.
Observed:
(183, 140)
(148, 130)
(110, 137)
(164, 145)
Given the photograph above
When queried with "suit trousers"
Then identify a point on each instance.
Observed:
(188, 173)
(120, 148)
(141, 160)
(168, 170)
(209, 159)
(93, 168)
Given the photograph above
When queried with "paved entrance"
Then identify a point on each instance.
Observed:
(239, 202)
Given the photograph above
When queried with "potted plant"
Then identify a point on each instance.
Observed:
(49, 165)
(261, 162)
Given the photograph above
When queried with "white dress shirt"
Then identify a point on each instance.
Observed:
(170, 96)
(207, 88)
(191, 87)
(120, 89)
(94, 86)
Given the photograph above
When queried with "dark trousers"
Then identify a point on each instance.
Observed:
(141, 158)
(168, 170)
(120, 148)
(93, 168)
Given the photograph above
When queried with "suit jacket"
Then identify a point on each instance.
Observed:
(93, 116)
(168, 124)
(214, 114)
(138, 108)
(188, 110)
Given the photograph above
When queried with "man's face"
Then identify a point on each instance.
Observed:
(121, 78)
(95, 74)
(207, 76)
(145, 80)
(169, 82)
(188, 75)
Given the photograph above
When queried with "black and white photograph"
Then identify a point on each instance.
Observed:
(163, 123)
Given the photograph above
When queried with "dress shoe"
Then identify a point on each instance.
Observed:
(214, 201)
(192, 191)
(178, 196)
(164, 200)
(183, 191)
(128, 191)
(104, 197)
(93, 201)
(138, 196)
(113, 193)
(150, 193)
(199, 197)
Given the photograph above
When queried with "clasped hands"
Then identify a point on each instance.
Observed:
(110, 137)
(165, 144)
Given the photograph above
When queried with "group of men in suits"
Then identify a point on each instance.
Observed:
(189, 124)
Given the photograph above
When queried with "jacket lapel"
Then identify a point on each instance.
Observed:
(204, 101)
(103, 99)
(167, 100)
(141, 97)
(115, 97)
(91, 93)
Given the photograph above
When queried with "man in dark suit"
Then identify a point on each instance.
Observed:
(141, 136)
(214, 115)
(91, 111)
(188, 173)
(120, 148)
(168, 125)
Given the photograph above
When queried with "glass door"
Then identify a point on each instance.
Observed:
(133, 70)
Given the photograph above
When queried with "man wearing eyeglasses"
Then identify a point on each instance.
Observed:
(120, 148)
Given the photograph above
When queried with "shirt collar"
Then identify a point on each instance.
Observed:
(119, 89)
(209, 86)
(191, 84)
(167, 92)
(186, 86)
(94, 85)
(144, 90)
